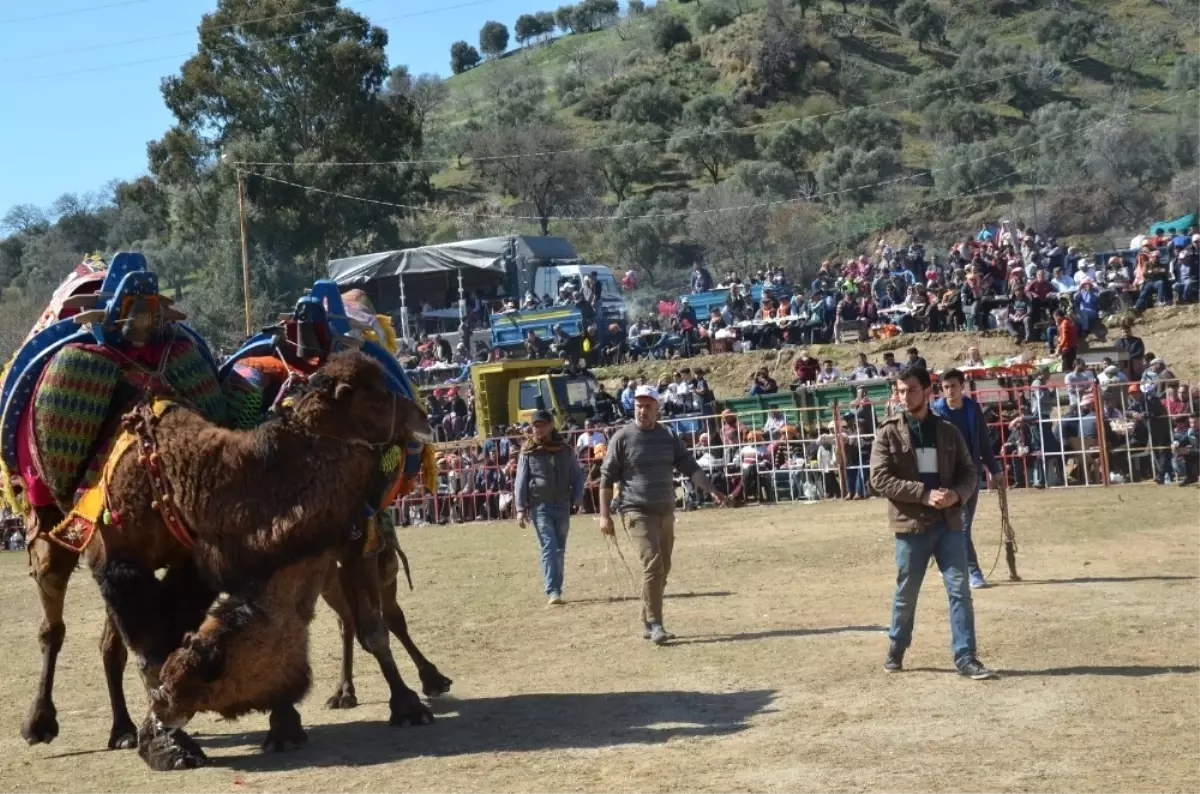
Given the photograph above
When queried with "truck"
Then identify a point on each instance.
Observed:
(440, 276)
(507, 392)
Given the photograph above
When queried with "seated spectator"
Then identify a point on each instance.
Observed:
(915, 359)
(1087, 308)
(1020, 316)
(774, 424)
(806, 368)
(973, 359)
(1079, 382)
(1185, 451)
(763, 383)
(535, 347)
(1063, 282)
(1150, 278)
(890, 368)
(864, 370)
(828, 373)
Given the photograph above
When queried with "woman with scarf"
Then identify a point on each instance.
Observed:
(549, 482)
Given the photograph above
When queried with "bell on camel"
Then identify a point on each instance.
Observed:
(307, 343)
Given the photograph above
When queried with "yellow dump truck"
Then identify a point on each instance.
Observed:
(507, 392)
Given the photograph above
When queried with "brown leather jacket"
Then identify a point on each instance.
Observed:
(894, 475)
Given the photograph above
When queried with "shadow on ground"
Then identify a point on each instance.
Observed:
(615, 599)
(766, 635)
(1124, 671)
(1097, 580)
(518, 723)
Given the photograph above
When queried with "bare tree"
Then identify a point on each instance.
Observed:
(535, 163)
(24, 219)
(730, 223)
(425, 93)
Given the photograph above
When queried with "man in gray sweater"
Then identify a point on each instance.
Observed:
(548, 482)
(642, 457)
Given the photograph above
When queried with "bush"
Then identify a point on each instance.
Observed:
(567, 83)
(670, 30)
(650, 103)
(713, 16)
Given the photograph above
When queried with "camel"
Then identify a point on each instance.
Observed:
(207, 515)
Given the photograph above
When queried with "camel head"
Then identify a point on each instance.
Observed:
(349, 398)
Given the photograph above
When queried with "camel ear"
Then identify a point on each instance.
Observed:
(342, 391)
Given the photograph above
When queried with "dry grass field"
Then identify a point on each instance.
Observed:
(775, 682)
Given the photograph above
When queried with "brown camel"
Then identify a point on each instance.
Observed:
(362, 591)
(257, 510)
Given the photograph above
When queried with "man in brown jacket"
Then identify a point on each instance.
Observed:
(920, 463)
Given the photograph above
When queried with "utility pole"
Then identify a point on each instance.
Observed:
(241, 200)
(1035, 189)
(241, 192)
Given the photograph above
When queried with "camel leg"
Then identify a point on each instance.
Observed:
(360, 588)
(152, 616)
(123, 735)
(286, 731)
(344, 696)
(433, 683)
(51, 566)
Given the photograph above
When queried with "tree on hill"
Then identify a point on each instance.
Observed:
(424, 93)
(642, 230)
(708, 140)
(793, 145)
(921, 21)
(527, 28)
(668, 31)
(850, 175)
(1065, 36)
(463, 57)
(493, 38)
(629, 157)
(958, 121)
(592, 15)
(863, 128)
(728, 235)
(535, 163)
(546, 20)
(564, 18)
(635, 8)
(25, 219)
(649, 103)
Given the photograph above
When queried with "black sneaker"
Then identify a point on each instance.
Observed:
(646, 631)
(975, 670)
(894, 662)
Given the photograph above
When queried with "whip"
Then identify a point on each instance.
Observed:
(1008, 539)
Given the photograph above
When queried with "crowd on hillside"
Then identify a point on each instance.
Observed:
(1007, 277)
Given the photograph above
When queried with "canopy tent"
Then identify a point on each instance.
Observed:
(488, 254)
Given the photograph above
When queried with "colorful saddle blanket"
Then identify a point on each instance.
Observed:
(78, 399)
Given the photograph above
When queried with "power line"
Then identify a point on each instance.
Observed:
(177, 57)
(604, 147)
(86, 9)
(689, 213)
(159, 37)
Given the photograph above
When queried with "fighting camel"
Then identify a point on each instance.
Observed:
(193, 501)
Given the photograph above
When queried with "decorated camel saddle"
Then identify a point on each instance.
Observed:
(107, 339)
(264, 375)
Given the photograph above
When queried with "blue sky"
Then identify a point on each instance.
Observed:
(70, 123)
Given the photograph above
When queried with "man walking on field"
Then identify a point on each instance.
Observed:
(920, 463)
(643, 457)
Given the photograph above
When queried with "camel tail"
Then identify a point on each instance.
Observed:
(404, 562)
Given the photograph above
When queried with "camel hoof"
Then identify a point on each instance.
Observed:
(123, 736)
(342, 700)
(286, 732)
(169, 750)
(433, 683)
(41, 726)
(407, 709)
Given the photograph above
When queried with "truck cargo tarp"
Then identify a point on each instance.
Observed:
(486, 254)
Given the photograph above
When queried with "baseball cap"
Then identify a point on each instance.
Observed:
(542, 416)
(647, 391)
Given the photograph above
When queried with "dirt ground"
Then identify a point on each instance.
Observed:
(1172, 333)
(774, 684)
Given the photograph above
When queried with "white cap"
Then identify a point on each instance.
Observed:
(647, 391)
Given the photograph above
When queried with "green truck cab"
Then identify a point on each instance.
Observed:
(508, 392)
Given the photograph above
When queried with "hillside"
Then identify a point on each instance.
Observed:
(1069, 89)
(1172, 333)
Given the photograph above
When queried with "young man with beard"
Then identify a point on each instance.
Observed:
(643, 457)
(549, 482)
(921, 465)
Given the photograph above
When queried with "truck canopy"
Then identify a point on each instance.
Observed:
(490, 254)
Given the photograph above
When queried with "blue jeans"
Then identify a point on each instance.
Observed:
(912, 558)
(551, 523)
(968, 518)
(1156, 287)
